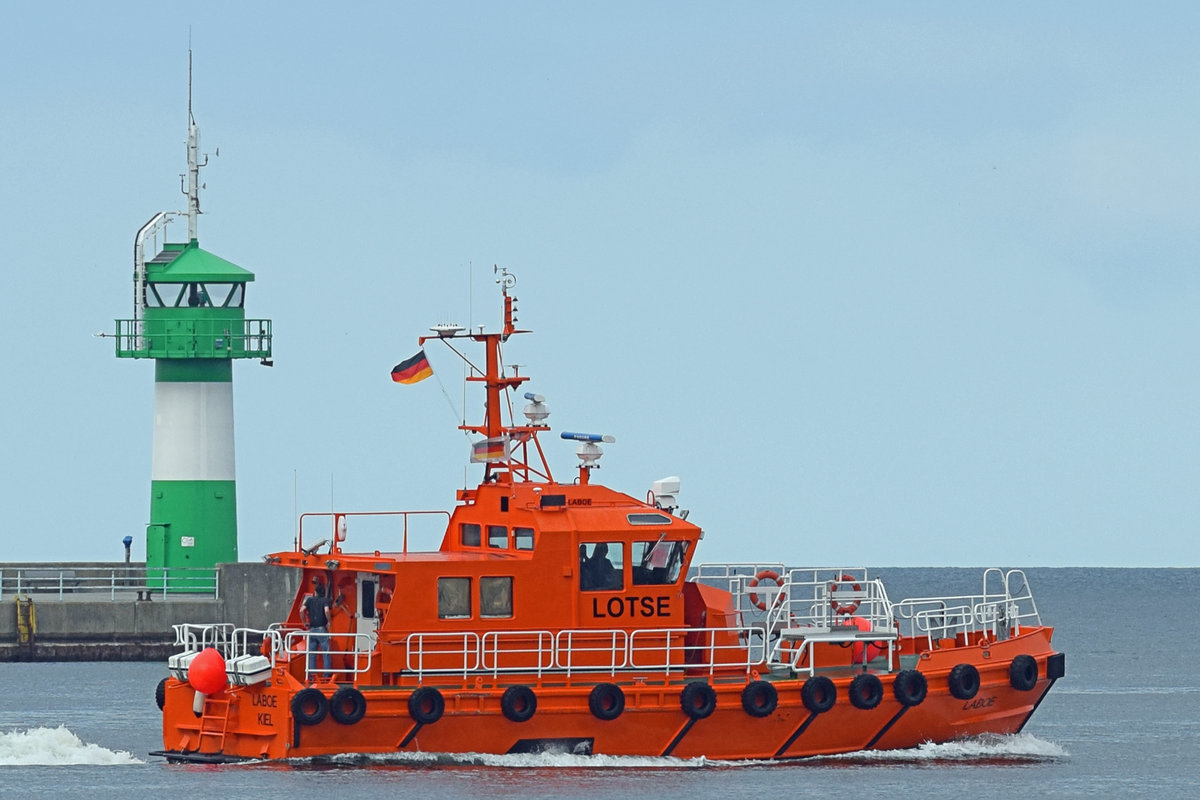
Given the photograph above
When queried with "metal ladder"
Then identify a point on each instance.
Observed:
(214, 722)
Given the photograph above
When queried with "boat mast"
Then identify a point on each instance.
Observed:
(513, 440)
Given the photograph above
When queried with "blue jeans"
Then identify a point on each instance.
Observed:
(318, 642)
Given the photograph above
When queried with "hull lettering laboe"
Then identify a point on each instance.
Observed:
(565, 616)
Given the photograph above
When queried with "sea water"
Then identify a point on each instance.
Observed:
(1123, 722)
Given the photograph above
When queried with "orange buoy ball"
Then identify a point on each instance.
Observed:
(206, 673)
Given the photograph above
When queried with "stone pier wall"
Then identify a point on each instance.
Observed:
(96, 626)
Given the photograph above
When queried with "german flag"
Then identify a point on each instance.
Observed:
(412, 370)
(489, 450)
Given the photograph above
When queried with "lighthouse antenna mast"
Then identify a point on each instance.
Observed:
(194, 163)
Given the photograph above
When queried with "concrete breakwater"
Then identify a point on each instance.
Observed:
(99, 611)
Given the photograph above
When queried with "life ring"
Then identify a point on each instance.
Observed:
(819, 694)
(347, 705)
(698, 700)
(866, 691)
(518, 703)
(910, 687)
(964, 681)
(426, 705)
(759, 699)
(844, 608)
(765, 575)
(309, 706)
(160, 694)
(606, 701)
(1023, 673)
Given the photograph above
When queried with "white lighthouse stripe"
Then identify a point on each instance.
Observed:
(193, 432)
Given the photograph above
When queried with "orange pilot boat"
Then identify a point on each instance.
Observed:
(570, 617)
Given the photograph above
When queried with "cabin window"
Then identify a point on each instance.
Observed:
(600, 566)
(495, 597)
(497, 536)
(454, 598)
(648, 519)
(523, 538)
(657, 561)
(469, 534)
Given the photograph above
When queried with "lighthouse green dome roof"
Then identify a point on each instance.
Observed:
(187, 263)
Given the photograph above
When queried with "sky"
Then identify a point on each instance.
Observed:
(905, 284)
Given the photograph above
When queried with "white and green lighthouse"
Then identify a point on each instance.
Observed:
(189, 316)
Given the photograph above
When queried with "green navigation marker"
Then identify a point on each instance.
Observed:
(189, 316)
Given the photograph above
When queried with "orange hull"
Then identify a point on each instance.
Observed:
(257, 722)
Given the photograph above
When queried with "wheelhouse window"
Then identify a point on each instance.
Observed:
(454, 598)
(495, 597)
(523, 538)
(468, 534)
(497, 536)
(600, 566)
(658, 561)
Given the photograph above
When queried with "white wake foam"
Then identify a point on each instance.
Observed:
(989, 748)
(55, 747)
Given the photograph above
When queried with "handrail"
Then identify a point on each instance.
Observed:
(152, 227)
(121, 582)
(297, 643)
(588, 650)
(998, 613)
(337, 515)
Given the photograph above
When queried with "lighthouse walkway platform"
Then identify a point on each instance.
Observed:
(113, 611)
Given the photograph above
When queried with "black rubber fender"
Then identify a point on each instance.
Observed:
(818, 694)
(309, 706)
(426, 705)
(910, 687)
(964, 681)
(1023, 673)
(759, 699)
(606, 701)
(866, 691)
(347, 705)
(698, 700)
(518, 703)
(160, 694)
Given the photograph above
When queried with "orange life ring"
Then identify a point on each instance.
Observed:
(766, 574)
(845, 608)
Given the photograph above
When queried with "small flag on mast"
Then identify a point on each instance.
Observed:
(489, 450)
(412, 370)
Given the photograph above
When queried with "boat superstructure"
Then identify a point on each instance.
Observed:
(567, 616)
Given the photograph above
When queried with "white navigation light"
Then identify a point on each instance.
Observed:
(536, 410)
